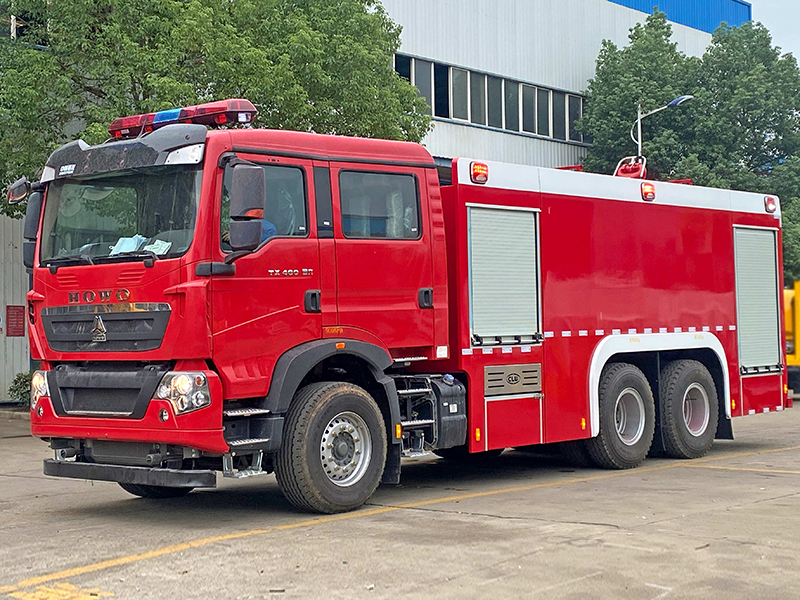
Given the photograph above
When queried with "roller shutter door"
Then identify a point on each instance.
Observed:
(757, 298)
(504, 293)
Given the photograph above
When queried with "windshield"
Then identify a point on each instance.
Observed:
(150, 211)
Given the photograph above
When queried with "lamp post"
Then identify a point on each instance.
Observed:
(639, 116)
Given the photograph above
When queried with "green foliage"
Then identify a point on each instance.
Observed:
(20, 389)
(310, 65)
(741, 131)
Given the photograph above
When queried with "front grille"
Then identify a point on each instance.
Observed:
(121, 327)
(113, 390)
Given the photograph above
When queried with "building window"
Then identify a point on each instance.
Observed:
(494, 97)
(543, 112)
(512, 105)
(587, 139)
(441, 90)
(459, 103)
(402, 65)
(528, 109)
(477, 96)
(559, 116)
(422, 79)
(379, 205)
(574, 115)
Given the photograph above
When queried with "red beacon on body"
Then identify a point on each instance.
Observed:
(233, 111)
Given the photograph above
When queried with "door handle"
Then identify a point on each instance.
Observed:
(425, 298)
(313, 301)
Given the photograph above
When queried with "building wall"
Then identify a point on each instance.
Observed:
(14, 355)
(551, 43)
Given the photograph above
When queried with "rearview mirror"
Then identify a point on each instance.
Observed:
(32, 214)
(18, 190)
(245, 235)
(248, 192)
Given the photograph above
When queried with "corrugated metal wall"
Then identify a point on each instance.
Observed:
(705, 15)
(14, 355)
(552, 43)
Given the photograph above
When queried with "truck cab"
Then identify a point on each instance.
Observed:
(187, 283)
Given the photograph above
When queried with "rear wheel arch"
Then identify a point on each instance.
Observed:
(647, 352)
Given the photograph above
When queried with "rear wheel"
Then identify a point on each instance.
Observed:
(627, 418)
(333, 450)
(689, 409)
(155, 491)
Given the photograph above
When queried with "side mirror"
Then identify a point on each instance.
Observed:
(18, 190)
(32, 214)
(28, 253)
(245, 235)
(248, 192)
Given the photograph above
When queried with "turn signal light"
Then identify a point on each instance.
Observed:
(479, 172)
(648, 191)
(770, 204)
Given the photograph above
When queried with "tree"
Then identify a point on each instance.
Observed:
(310, 65)
(741, 131)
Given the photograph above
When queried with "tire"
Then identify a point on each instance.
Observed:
(155, 492)
(627, 418)
(462, 456)
(310, 469)
(575, 454)
(689, 409)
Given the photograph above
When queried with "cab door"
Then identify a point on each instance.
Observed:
(384, 281)
(267, 306)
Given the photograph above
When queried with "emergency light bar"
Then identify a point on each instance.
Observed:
(222, 112)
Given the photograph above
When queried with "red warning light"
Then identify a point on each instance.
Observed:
(479, 172)
(648, 191)
(770, 204)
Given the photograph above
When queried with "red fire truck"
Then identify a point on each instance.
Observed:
(247, 301)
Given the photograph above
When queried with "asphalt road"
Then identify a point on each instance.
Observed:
(526, 526)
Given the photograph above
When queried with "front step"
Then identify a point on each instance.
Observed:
(417, 423)
(245, 412)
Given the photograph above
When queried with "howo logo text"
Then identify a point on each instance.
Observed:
(90, 296)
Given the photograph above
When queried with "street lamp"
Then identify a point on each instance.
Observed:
(639, 116)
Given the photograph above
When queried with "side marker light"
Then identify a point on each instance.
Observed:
(340, 345)
(398, 431)
(477, 435)
(583, 424)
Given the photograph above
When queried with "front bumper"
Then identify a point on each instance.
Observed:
(127, 474)
(201, 429)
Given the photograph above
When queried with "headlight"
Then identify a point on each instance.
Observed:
(38, 387)
(186, 391)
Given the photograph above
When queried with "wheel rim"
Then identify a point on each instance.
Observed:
(629, 416)
(345, 449)
(696, 409)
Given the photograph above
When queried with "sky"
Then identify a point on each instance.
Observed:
(782, 18)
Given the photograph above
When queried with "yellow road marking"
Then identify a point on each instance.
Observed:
(133, 558)
(751, 469)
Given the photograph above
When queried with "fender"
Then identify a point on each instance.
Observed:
(650, 342)
(294, 365)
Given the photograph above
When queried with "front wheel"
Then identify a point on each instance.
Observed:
(333, 450)
(627, 418)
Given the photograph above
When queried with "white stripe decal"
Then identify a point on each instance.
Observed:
(507, 349)
(488, 350)
(583, 333)
(615, 332)
(548, 334)
(662, 330)
(706, 328)
(692, 329)
(631, 332)
(720, 328)
(525, 349)
(648, 330)
(466, 351)
(732, 327)
(566, 334)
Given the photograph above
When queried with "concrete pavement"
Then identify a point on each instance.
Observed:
(525, 526)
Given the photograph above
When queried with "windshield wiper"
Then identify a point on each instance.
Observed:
(57, 261)
(149, 256)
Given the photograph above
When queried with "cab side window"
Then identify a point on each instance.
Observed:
(379, 205)
(285, 207)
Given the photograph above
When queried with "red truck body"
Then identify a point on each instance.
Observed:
(594, 276)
